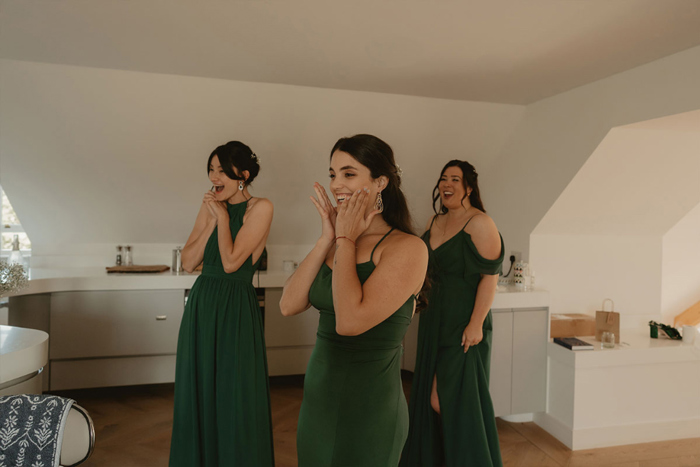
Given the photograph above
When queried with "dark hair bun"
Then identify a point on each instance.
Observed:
(238, 155)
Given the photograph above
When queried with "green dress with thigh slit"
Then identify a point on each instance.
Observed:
(354, 412)
(222, 394)
(467, 436)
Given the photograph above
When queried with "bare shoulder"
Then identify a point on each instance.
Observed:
(407, 246)
(484, 234)
(260, 206)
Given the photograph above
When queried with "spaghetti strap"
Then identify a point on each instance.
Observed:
(371, 256)
(468, 221)
(432, 222)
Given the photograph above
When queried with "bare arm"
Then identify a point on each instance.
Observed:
(295, 295)
(485, 293)
(254, 231)
(193, 251)
(399, 274)
(485, 236)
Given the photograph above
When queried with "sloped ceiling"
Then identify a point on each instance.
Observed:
(506, 51)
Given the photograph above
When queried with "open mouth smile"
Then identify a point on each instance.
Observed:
(340, 197)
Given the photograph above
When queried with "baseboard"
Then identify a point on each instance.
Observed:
(618, 435)
(518, 418)
(555, 428)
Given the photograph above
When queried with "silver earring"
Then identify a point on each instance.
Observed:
(240, 185)
(379, 204)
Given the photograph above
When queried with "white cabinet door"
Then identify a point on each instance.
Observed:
(530, 335)
(284, 331)
(501, 361)
(112, 323)
(289, 339)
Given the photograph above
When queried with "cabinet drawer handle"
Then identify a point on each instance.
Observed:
(161, 318)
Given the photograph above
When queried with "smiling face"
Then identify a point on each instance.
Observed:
(224, 187)
(451, 188)
(348, 175)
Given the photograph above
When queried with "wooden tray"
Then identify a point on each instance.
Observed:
(136, 269)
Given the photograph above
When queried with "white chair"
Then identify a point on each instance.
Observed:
(78, 437)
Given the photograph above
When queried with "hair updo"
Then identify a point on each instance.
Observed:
(238, 155)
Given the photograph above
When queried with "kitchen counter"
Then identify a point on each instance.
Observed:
(121, 329)
(23, 354)
(87, 279)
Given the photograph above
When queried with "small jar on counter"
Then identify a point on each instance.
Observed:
(128, 259)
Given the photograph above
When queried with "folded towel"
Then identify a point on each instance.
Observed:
(31, 429)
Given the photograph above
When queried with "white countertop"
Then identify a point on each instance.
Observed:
(635, 347)
(22, 352)
(84, 279)
(78, 279)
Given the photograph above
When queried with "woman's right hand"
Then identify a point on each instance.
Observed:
(327, 212)
(206, 201)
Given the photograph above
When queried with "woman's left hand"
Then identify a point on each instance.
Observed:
(472, 335)
(216, 207)
(351, 221)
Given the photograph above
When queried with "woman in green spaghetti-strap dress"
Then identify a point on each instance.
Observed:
(222, 399)
(452, 420)
(354, 411)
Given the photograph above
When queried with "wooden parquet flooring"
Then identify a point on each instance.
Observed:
(133, 426)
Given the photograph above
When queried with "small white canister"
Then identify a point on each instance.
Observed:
(177, 260)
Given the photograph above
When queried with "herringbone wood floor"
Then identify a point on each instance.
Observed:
(133, 429)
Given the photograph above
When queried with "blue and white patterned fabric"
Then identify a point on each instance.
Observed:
(31, 429)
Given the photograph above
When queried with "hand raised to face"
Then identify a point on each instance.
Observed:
(352, 221)
(216, 208)
(327, 212)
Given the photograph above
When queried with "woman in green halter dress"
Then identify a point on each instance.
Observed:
(222, 397)
(452, 420)
(354, 412)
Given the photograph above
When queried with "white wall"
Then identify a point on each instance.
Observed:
(606, 235)
(94, 157)
(680, 284)
(580, 271)
(558, 135)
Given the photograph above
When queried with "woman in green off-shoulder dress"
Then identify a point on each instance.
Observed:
(363, 276)
(222, 397)
(452, 419)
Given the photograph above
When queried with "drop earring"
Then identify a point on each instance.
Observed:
(240, 185)
(379, 203)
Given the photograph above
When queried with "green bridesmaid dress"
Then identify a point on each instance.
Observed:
(222, 393)
(354, 411)
(467, 436)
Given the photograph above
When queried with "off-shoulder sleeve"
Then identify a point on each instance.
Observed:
(483, 265)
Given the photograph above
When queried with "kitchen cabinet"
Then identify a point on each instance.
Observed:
(115, 331)
(289, 339)
(105, 338)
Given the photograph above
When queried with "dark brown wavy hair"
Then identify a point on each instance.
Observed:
(469, 179)
(378, 157)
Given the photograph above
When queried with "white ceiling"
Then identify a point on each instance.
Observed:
(508, 51)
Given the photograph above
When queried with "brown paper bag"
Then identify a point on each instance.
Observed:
(607, 321)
